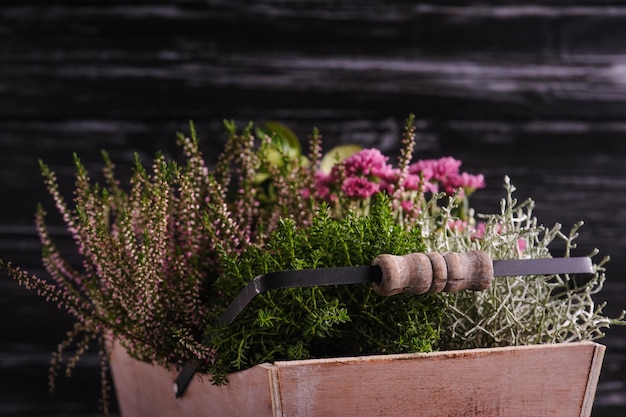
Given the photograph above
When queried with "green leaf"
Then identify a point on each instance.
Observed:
(283, 138)
(336, 155)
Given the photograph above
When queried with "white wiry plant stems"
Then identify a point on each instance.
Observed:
(521, 310)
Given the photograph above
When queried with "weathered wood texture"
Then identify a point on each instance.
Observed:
(146, 390)
(546, 380)
(537, 92)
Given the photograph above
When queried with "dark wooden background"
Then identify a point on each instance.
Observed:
(535, 90)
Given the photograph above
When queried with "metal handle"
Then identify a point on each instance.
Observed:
(416, 273)
(420, 273)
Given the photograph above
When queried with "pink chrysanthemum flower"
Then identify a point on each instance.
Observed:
(445, 171)
(366, 162)
(323, 184)
(459, 225)
(436, 169)
(358, 187)
(414, 182)
(407, 205)
(363, 173)
(468, 182)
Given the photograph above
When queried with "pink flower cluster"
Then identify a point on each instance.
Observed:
(359, 176)
(368, 172)
(445, 173)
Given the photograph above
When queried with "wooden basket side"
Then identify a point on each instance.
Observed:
(554, 380)
(592, 380)
(147, 390)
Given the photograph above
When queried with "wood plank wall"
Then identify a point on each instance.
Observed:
(535, 90)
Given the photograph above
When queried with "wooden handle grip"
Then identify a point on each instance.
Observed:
(420, 273)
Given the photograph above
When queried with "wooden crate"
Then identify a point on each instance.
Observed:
(540, 380)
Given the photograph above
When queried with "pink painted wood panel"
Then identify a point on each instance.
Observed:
(542, 380)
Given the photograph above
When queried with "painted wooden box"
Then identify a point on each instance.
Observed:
(538, 380)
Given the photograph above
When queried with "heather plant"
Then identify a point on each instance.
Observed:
(164, 254)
